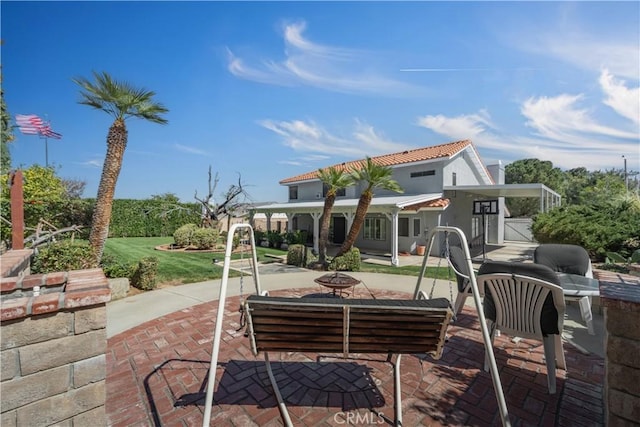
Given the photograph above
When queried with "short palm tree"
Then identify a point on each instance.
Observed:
(122, 101)
(375, 176)
(335, 179)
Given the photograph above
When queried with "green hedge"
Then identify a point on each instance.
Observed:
(599, 228)
(150, 218)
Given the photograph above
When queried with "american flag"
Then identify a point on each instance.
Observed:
(30, 124)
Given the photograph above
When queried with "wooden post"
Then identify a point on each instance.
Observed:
(17, 210)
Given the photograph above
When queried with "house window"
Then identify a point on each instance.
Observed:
(293, 192)
(403, 227)
(375, 229)
(341, 192)
(454, 179)
(416, 227)
(423, 173)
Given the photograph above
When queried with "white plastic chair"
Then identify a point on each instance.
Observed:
(519, 304)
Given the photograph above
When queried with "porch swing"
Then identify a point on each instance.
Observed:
(345, 326)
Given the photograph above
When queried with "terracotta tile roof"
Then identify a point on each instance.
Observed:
(437, 203)
(393, 159)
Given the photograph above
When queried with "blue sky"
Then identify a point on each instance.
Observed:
(269, 90)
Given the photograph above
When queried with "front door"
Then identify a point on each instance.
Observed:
(339, 229)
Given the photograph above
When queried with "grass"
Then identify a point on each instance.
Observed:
(176, 267)
(409, 270)
(190, 267)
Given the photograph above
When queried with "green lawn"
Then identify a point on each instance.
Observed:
(176, 267)
(189, 267)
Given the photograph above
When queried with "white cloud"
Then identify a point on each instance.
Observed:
(93, 163)
(461, 127)
(561, 118)
(326, 67)
(308, 137)
(572, 40)
(563, 130)
(621, 57)
(190, 150)
(623, 100)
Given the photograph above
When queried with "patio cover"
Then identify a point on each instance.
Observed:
(378, 204)
(548, 197)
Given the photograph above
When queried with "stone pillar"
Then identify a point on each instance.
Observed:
(53, 347)
(620, 299)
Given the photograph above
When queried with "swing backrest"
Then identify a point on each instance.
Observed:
(460, 266)
(347, 326)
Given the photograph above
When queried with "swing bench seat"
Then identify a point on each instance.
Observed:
(348, 327)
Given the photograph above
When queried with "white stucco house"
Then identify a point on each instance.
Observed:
(445, 184)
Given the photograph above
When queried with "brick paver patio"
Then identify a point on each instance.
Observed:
(156, 376)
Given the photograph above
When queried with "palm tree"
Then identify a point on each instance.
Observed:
(335, 179)
(376, 176)
(122, 101)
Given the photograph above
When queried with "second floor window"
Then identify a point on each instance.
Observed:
(423, 173)
(293, 192)
(340, 193)
(454, 179)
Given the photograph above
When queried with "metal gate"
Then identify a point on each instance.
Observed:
(518, 229)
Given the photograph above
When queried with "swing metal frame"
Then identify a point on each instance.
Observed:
(486, 336)
(418, 294)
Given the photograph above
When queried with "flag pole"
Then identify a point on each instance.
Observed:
(46, 151)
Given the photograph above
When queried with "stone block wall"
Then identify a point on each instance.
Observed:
(620, 299)
(53, 345)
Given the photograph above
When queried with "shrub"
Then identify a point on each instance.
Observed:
(145, 274)
(349, 261)
(114, 268)
(294, 237)
(182, 236)
(599, 228)
(62, 256)
(204, 238)
(274, 238)
(259, 236)
(297, 255)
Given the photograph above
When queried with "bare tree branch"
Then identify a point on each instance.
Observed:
(232, 201)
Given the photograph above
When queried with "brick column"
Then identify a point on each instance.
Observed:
(620, 299)
(17, 210)
(53, 346)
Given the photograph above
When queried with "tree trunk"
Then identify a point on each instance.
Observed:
(324, 227)
(361, 213)
(116, 144)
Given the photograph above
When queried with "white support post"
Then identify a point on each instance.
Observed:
(268, 216)
(290, 217)
(394, 237)
(316, 230)
(349, 217)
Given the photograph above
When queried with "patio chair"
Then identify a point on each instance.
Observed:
(461, 269)
(525, 300)
(570, 259)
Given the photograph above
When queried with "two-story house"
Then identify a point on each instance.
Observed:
(446, 184)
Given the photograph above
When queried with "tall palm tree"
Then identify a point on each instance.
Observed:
(375, 176)
(122, 101)
(335, 179)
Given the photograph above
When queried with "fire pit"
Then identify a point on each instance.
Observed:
(337, 282)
